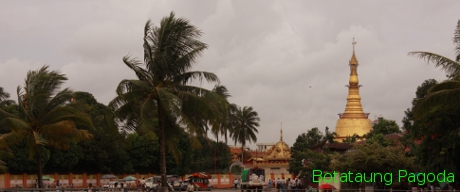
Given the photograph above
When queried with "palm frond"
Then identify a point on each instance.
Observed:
(148, 120)
(450, 66)
(187, 77)
(128, 86)
(171, 139)
(15, 124)
(61, 133)
(189, 57)
(38, 139)
(449, 84)
(141, 73)
(446, 98)
(68, 112)
(3, 95)
(4, 114)
(60, 98)
(6, 102)
(12, 138)
(457, 41)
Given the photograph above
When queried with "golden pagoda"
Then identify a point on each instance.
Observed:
(353, 120)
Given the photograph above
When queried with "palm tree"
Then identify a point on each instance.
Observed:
(221, 125)
(4, 101)
(160, 97)
(246, 120)
(446, 93)
(47, 117)
(329, 136)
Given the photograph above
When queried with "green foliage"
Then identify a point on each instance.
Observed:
(351, 139)
(107, 149)
(63, 161)
(314, 136)
(372, 157)
(436, 133)
(329, 136)
(303, 159)
(21, 161)
(380, 129)
(384, 127)
(211, 157)
(143, 152)
(380, 139)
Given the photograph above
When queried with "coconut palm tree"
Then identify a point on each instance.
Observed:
(161, 96)
(446, 93)
(4, 101)
(246, 121)
(221, 125)
(47, 117)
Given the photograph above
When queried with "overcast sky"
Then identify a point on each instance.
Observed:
(286, 59)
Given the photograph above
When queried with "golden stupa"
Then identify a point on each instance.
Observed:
(353, 120)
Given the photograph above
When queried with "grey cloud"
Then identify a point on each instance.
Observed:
(267, 53)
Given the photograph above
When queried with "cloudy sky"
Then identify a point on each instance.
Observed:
(286, 59)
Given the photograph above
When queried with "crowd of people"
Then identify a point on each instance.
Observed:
(281, 185)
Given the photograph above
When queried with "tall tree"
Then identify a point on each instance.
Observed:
(4, 102)
(161, 99)
(303, 159)
(433, 140)
(47, 117)
(446, 93)
(222, 124)
(246, 122)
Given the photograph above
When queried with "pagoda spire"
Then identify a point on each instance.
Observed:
(353, 120)
(354, 107)
(281, 132)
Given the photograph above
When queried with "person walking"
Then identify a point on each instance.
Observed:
(289, 185)
(235, 183)
(142, 184)
(57, 185)
(278, 185)
(299, 184)
(269, 185)
(283, 185)
(90, 187)
(294, 185)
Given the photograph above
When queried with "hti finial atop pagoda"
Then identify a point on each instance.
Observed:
(281, 132)
(353, 60)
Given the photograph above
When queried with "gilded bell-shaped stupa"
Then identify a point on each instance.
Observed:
(353, 120)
